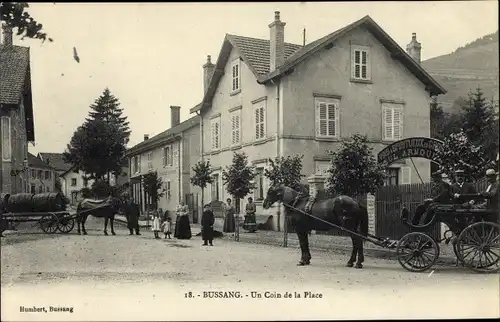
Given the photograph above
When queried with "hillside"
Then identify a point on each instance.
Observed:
(475, 64)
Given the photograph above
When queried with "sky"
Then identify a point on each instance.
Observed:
(150, 55)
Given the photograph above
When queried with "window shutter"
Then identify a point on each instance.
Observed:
(398, 125)
(353, 63)
(405, 175)
(217, 134)
(331, 120)
(257, 123)
(233, 129)
(368, 65)
(387, 123)
(237, 129)
(322, 113)
(262, 129)
(337, 121)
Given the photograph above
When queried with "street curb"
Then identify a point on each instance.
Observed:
(368, 251)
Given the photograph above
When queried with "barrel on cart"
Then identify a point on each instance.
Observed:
(42, 202)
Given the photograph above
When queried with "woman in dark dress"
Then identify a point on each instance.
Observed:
(182, 225)
(207, 225)
(229, 218)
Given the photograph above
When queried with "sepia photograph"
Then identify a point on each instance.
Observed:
(357, 180)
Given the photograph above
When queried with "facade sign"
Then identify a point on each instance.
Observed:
(418, 147)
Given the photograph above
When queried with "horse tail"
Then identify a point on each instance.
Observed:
(363, 212)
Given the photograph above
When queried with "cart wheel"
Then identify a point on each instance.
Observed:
(48, 223)
(417, 252)
(478, 247)
(66, 225)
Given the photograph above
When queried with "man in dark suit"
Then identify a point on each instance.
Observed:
(442, 189)
(491, 193)
(461, 187)
(207, 225)
(132, 213)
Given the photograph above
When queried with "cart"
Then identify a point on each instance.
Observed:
(49, 222)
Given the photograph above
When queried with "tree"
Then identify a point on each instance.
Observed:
(480, 124)
(100, 189)
(15, 16)
(98, 146)
(153, 186)
(202, 176)
(238, 177)
(287, 171)
(354, 170)
(438, 118)
(460, 153)
(95, 149)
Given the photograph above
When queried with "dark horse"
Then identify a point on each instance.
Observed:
(342, 211)
(106, 208)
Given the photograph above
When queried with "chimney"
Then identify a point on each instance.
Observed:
(277, 42)
(146, 137)
(414, 48)
(175, 115)
(208, 71)
(7, 35)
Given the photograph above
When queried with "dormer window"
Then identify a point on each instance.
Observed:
(360, 63)
(235, 73)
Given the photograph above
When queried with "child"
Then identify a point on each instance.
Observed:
(156, 224)
(167, 227)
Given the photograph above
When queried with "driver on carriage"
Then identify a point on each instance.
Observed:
(442, 188)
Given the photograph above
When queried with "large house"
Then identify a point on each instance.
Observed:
(42, 176)
(273, 98)
(16, 115)
(172, 154)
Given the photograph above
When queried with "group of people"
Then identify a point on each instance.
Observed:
(249, 223)
(454, 192)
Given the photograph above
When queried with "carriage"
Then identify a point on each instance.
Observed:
(48, 210)
(473, 233)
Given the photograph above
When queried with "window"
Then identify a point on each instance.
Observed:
(215, 187)
(392, 121)
(150, 160)
(47, 175)
(73, 182)
(235, 127)
(167, 156)
(405, 175)
(6, 144)
(136, 164)
(39, 174)
(392, 177)
(327, 118)
(259, 184)
(33, 173)
(40, 189)
(235, 72)
(33, 189)
(215, 126)
(168, 192)
(360, 63)
(47, 189)
(322, 168)
(260, 121)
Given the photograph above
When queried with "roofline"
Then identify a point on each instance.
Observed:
(281, 71)
(155, 141)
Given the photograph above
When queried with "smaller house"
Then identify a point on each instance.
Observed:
(55, 160)
(72, 182)
(41, 176)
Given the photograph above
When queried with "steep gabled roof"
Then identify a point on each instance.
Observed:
(35, 162)
(163, 137)
(396, 51)
(15, 82)
(255, 52)
(55, 160)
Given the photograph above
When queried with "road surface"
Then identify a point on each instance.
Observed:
(126, 277)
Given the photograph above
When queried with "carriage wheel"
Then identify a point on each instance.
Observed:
(417, 252)
(478, 247)
(66, 225)
(48, 223)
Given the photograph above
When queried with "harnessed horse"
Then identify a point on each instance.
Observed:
(342, 211)
(106, 208)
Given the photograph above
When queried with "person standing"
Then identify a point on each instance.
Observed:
(132, 213)
(250, 220)
(167, 227)
(229, 226)
(207, 225)
(183, 227)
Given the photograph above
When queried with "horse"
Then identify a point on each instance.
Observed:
(106, 208)
(342, 211)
